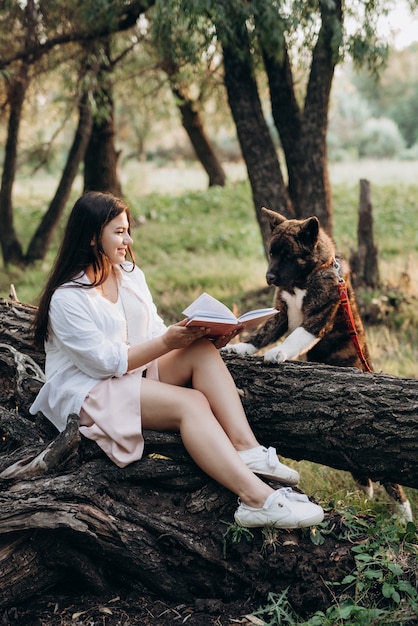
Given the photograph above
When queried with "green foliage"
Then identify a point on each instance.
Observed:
(181, 31)
(394, 93)
(379, 591)
(385, 568)
(380, 138)
(364, 45)
(405, 113)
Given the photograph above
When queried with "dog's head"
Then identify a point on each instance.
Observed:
(296, 249)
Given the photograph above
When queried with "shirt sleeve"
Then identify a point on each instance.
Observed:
(97, 349)
(158, 326)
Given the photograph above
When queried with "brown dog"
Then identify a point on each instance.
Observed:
(306, 271)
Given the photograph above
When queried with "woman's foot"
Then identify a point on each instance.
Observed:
(264, 461)
(284, 508)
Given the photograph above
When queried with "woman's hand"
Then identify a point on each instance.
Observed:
(221, 341)
(181, 336)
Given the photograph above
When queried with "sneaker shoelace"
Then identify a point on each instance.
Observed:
(272, 459)
(286, 492)
(294, 495)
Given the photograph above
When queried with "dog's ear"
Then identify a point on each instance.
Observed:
(274, 218)
(309, 231)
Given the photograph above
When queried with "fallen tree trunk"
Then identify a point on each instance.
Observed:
(69, 516)
(341, 417)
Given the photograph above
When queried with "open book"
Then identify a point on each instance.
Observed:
(208, 312)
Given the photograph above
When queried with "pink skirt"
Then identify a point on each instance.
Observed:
(111, 416)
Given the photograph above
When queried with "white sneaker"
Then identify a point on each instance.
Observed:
(283, 509)
(264, 461)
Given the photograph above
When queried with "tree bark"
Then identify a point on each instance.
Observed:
(10, 245)
(303, 130)
(364, 261)
(193, 125)
(331, 415)
(257, 146)
(17, 87)
(101, 157)
(68, 513)
(335, 416)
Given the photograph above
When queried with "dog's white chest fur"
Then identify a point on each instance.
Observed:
(294, 307)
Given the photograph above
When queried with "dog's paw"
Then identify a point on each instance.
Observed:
(243, 349)
(275, 355)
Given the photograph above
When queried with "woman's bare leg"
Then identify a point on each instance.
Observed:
(202, 366)
(171, 407)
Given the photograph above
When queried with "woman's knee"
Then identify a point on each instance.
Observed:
(195, 402)
(203, 351)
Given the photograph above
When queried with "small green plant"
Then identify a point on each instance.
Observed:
(278, 610)
(271, 539)
(234, 534)
(383, 580)
(383, 567)
(347, 613)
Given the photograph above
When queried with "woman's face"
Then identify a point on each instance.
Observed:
(116, 238)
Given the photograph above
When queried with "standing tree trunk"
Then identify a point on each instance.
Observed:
(165, 31)
(40, 242)
(364, 262)
(259, 152)
(16, 91)
(303, 133)
(193, 125)
(257, 146)
(101, 157)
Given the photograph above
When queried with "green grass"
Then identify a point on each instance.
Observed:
(393, 221)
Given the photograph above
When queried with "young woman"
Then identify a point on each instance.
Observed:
(111, 359)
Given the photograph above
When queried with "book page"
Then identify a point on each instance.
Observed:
(253, 319)
(257, 314)
(206, 305)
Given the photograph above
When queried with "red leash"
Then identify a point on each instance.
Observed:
(348, 315)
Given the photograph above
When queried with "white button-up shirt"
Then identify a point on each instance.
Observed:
(87, 341)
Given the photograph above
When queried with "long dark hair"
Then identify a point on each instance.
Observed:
(89, 216)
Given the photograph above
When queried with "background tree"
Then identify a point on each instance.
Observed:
(37, 32)
(300, 45)
(101, 157)
(40, 241)
(297, 46)
(257, 145)
(190, 58)
(17, 82)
